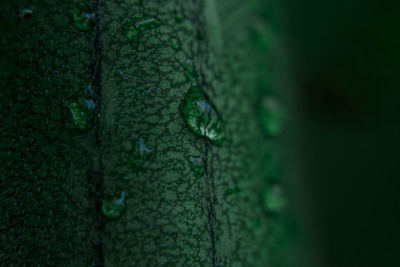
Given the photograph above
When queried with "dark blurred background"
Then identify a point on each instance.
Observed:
(344, 66)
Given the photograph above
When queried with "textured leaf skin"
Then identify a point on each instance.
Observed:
(48, 209)
(172, 217)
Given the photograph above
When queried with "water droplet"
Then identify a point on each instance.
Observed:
(138, 155)
(274, 197)
(202, 116)
(83, 21)
(271, 115)
(113, 207)
(133, 29)
(82, 114)
(197, 166)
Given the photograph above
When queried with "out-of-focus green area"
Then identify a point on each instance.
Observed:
(345, 81)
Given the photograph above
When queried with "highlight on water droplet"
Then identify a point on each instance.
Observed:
(82, 112)
(274, 198)
(139, 153)
(113, 207)
(271, 115)
(25, 12)
(83, 21)
(201, 115)
(197, 165)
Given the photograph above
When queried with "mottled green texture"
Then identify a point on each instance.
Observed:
(201, 115)
(165, 222)
(48, 215)
(113, 207)
(175, 215)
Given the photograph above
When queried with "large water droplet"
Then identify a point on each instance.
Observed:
(138, 155)
(202, 116)
(82, 113)
(197, 166)
(113, 207)
(274, 198)
(271, 115)
(83, 21)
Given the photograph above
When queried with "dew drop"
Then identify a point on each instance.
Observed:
(201, 115)
(82, 114)
(274, 198)
(197, 166)
(271, 115)
(113, 207)
(138, 155)
(83, 21)
(133, 29)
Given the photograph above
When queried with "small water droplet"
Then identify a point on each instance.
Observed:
(82, 114)
(138, 155)
(133, 29)
(197, 166)
(271, 115)
(202, 116)
(274, 197)
(113, 207)
(83, 21)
